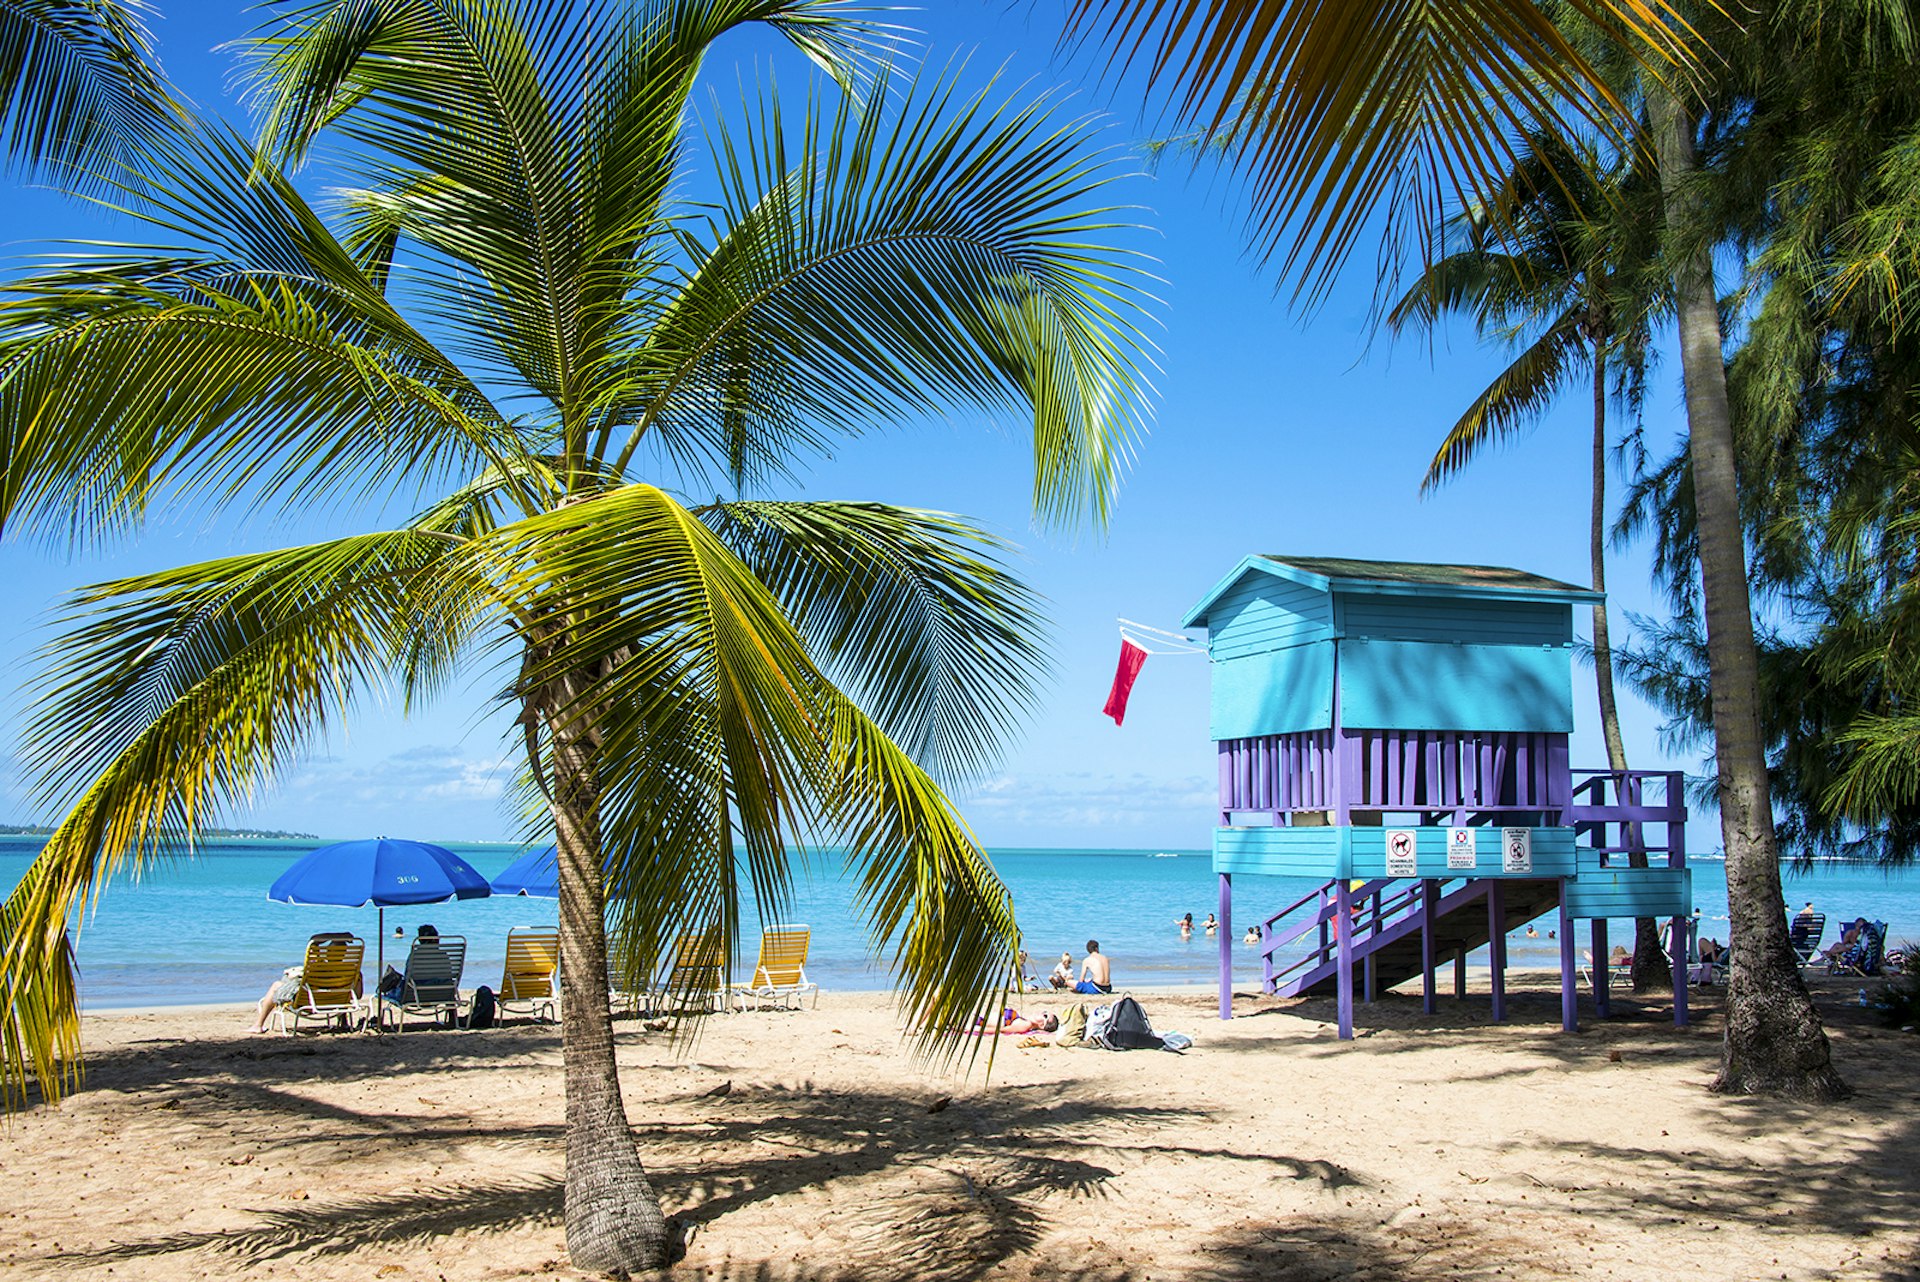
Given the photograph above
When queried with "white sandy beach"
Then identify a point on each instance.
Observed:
(1426, 1149)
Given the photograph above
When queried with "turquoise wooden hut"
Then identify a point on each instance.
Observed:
(1399, 731)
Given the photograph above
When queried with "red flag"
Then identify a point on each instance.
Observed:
(1131, 657)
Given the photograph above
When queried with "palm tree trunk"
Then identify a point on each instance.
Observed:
(614, 1221)
(1651, 970)
(1774, 1041)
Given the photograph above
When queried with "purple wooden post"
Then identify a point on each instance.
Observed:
(1602, 968)
(1460, 975)
(1226, 781)
(1226, 945)
(1343, 930)
(1569, 971)
(1429, 905)
(1497, 946)
(1338, 782)
(1677, 955)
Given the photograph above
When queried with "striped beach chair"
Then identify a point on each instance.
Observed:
(780, 976)
(531, 980)
(330, 991)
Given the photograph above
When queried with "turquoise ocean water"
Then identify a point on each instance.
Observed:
(204, 931)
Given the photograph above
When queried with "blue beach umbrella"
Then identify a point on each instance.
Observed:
(382, 872)
(535, 874)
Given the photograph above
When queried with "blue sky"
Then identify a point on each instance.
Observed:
(1270, 432)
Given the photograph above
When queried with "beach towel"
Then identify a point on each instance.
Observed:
(1131, 657)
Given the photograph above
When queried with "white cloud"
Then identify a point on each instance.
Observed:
(1088, 800)
(427, 772)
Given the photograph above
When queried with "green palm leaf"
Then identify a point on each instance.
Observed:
(173, 697)
(78, 91)
(911, 611)
(714, 721)
(924, 255)
(1334, 112)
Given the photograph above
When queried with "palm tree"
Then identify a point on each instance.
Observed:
(1334, 113)
(516, 321)
(1559, 268)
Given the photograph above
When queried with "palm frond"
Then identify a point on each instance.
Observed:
(530, 144)
(80, 95)
(1338, 113)
(715, 726)
(926, 255)
(39, 1003)
(912, 612)
(1516, 398)
(175, 696)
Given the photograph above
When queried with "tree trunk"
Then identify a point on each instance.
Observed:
(614, 1221)
(1774, 1043)
(1651, 969)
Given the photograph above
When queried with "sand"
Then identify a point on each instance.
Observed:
(1444, 1148)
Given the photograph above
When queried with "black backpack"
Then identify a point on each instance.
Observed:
(480, 1014)
(1128, 1030)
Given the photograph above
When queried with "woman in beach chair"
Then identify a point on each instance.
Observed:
(325, 987)
(1862, 957)
(430, 984)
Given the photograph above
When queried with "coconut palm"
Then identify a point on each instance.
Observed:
(1558, 268)
(1336, 114)
(519, 328)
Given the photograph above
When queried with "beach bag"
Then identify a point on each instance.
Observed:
(1098, 1020)
(480, 1013)
(1127, 1028)
(1073, 1026)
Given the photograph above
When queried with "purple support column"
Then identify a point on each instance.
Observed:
(1226, 945)
(1225, 753)
(1497, 946)
(1429, 905)
(1569, 971)
(1677, 955)
(1343, 930)
(1602, 969)
(1460, 975)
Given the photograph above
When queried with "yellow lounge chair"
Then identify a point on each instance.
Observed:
(531, 982)
(330, 988)
(781, 974)
(697, 976)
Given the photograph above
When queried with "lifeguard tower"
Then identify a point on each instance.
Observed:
(1399, 732)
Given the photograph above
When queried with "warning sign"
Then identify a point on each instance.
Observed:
(1461, 850)
(1516, 850)
(1403, 852)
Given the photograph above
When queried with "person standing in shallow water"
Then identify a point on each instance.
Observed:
(1096, 972)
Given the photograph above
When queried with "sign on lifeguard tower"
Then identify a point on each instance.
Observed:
(1516, 850)
(1403, 852)
(1462, 853)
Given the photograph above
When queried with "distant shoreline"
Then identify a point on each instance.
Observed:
(211, 834)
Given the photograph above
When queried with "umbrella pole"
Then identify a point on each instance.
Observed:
(379, 965)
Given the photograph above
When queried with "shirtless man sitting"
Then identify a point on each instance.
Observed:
(1096, 973)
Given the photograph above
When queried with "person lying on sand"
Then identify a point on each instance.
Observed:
(1012, 1021)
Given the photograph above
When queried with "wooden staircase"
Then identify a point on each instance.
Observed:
(1387, 929)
